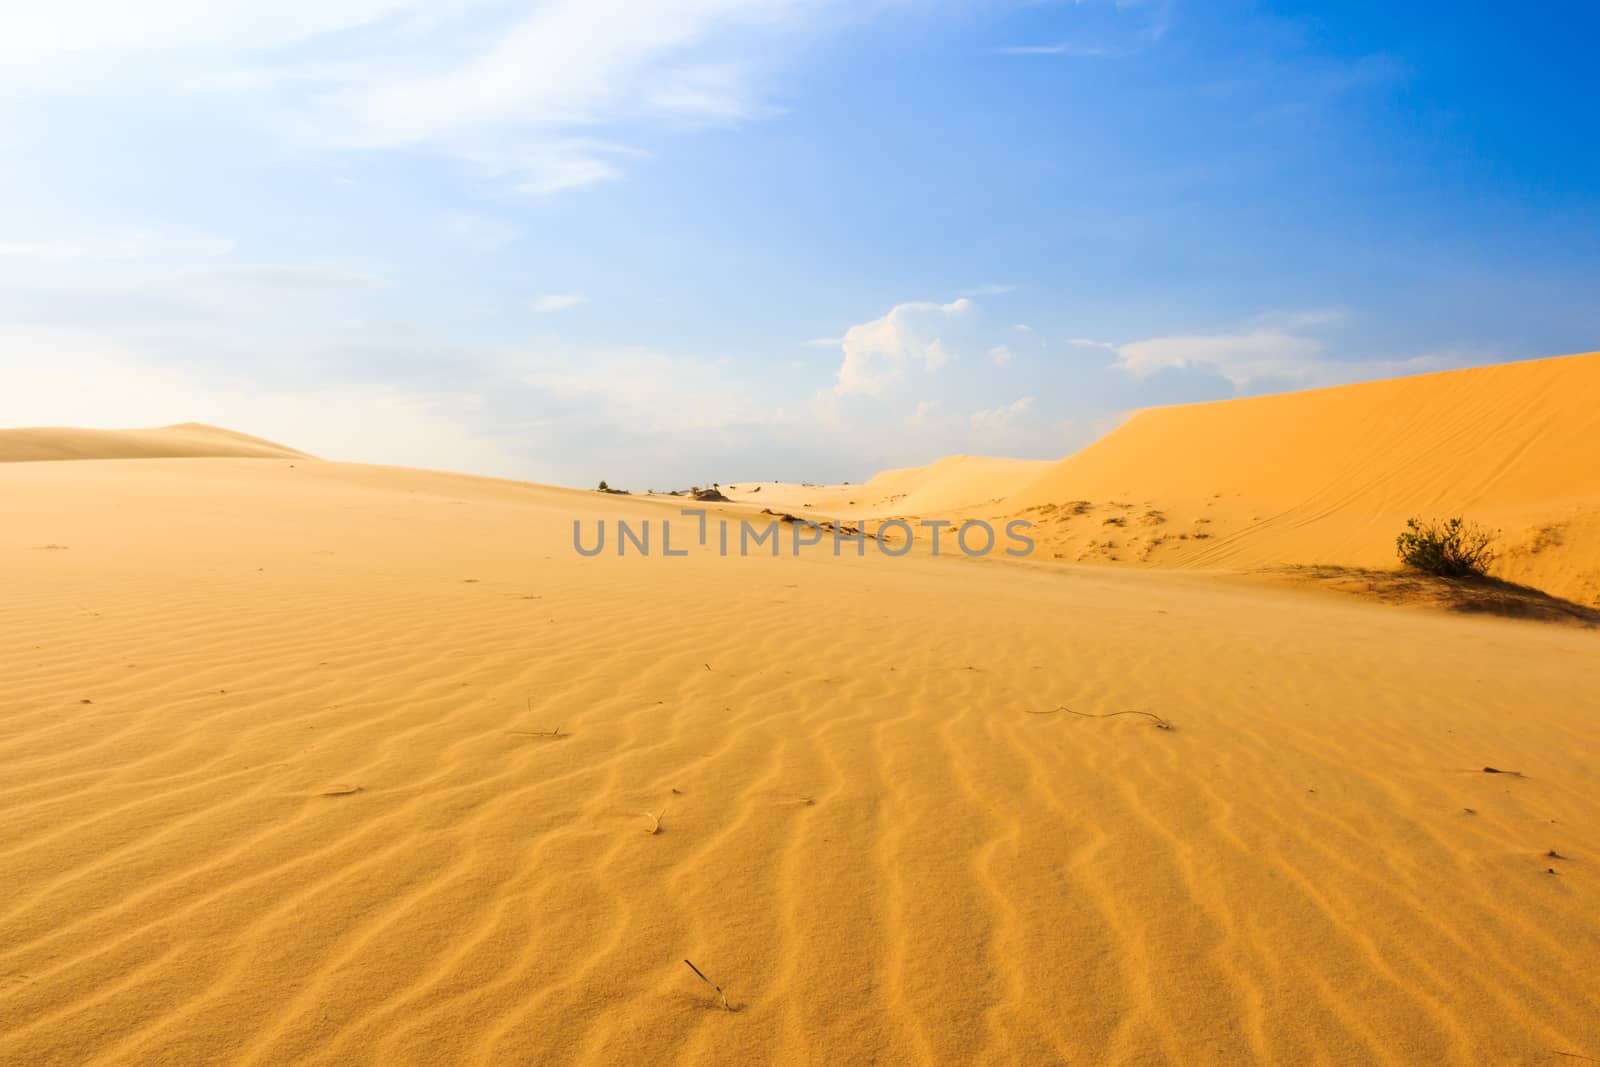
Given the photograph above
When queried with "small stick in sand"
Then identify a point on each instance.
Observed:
(713, 985)
(655, 823)
(342, 791)
(1157, 721)
(1497, 770)
(528, 703)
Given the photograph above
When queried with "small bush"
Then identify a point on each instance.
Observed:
(604, 488)
(1453, 548)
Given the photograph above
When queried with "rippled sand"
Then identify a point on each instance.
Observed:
(314, 763)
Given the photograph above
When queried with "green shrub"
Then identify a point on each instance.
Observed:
(1453, 548)
(604, 488)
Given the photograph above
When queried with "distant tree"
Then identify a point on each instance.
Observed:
(604, 488)
(1453, 548)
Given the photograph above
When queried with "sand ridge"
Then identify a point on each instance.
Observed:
(320, 763)
(1314, 478)
(189, 439)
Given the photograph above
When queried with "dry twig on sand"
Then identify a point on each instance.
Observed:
(1157, 721)
(713, 985)
(655, 820)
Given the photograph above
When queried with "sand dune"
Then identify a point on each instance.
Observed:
(1325, 476)
(954, 484)
(329, 764)
(189, 439)
(1331, 475)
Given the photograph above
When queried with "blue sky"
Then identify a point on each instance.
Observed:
(736, 239)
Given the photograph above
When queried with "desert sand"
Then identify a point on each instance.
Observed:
(310, 762)
(189, 439)
(1322, 477)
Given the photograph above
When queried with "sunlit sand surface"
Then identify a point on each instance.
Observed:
(306, 762)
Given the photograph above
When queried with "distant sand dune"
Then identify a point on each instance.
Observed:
(954, 483)
(279, 784)
(1321, 477)
(189, 439)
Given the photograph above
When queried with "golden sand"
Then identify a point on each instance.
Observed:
(189, 439)
(307, 762)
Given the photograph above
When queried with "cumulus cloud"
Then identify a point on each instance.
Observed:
(1001, 355)
(877, 353)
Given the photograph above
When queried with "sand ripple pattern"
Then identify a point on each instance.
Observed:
(279, 783)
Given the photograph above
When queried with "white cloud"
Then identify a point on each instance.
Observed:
(1105, 31)
(519, 88)
(991, 289)
(1264, 356)
(554, 302)
(540, 168)
(1001, 355)
(1241, 358)
(991, 419)
(877, 353)
(1062, 48)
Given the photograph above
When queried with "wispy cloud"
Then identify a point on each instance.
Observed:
(540, 168)
(525, 91)
(1105, 30)
(1002, 416)
(1266, 355)
(554, 302)
(1062, 48)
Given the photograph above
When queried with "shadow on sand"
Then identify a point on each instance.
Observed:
(1479, 596)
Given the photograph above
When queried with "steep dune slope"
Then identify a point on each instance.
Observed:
(185, 440)
(1330, 475)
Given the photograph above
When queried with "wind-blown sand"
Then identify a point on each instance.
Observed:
(306, 762)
